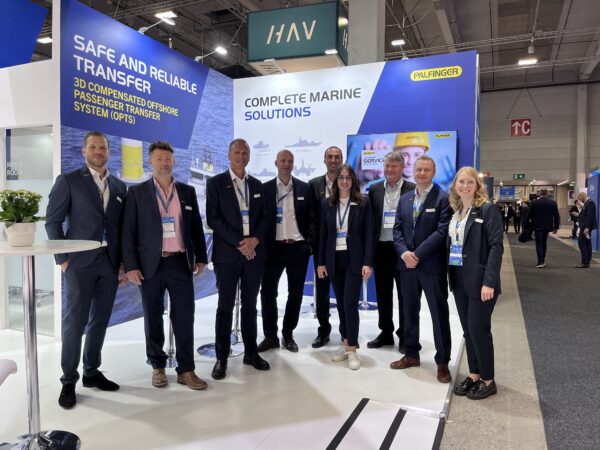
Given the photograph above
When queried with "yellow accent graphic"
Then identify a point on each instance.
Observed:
(132, 159)
(442, 135)
(436, 73)
(416, 139)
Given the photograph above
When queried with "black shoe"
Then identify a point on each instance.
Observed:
(67, 397)
(481, 390)
(257, 362)
(464, 387)
(289, 344)
(99, 381)
(219, 370)
(268, 343)
(320, 341)
(582, 266)
(380, 341)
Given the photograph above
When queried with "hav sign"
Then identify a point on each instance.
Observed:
(520, 127)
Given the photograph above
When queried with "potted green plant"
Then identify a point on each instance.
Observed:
(19, 209)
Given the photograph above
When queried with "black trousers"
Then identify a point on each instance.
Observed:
(585, 247)
(413, 283)
(506, 223)
(347, 285)
(293, 258)
(541, 244)
(173, 275)
(385, 276)
(517, 224)
(249, 274)
(476, 320)
(322, 302)
(574, 230)
(89, 300)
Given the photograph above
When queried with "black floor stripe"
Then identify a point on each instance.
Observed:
(349, 422)
(438, 435)
(391, 434)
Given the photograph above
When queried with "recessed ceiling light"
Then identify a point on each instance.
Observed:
(220, 50)
(398, 42)
(45, 40)
(527, 61)
(331, 51)
(165, 15)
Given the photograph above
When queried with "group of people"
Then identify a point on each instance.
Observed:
(415, 236)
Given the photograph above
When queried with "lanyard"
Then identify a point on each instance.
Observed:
(162, 202)
(416, 208)
(459, 221)
(279, 199)
(394, 198)
(341, 218)
(244, 196)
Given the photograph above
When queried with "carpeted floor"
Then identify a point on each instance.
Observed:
(561, 308)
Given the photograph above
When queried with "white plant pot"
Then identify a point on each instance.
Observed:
(21, 234)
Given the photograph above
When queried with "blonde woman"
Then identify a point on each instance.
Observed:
(475, 249)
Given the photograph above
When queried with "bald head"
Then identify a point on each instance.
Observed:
(285, 164)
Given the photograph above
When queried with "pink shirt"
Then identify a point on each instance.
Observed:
(172, 244)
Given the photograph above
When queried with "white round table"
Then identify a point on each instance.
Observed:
(36, 439)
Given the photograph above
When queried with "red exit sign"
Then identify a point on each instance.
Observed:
(520, 127)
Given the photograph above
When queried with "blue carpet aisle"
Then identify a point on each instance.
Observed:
(561, 308)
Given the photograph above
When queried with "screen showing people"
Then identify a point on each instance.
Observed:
(366, 153)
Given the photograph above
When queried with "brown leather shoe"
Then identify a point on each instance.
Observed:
(405, 363)
(191, 380)
(159, 378)
(443, 374)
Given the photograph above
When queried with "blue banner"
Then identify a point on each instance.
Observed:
(123, 83)
(20, 25)
(507, 193)
(594, 194)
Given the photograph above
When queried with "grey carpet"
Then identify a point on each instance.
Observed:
(561, 307)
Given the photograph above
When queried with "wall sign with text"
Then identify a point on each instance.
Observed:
(520, 127)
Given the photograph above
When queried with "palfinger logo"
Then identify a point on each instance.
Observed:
(436, 73)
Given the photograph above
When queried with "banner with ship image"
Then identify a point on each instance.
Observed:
(200, 133)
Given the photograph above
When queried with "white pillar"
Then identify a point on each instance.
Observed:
(366, 31)
(581, 163)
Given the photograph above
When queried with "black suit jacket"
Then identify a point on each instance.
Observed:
(587, 216)
(359, 239)
(482, 251)
(543, 215)
(318, 189)
(301, 193)
(427, 237)
(142, 228)
(223, 215)
(376, 199)
(74, 198)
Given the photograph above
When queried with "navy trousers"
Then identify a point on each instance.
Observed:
(585, 247)
(541, 244)
(386, 274)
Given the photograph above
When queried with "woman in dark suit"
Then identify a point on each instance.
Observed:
(346, 255)
(475, 242)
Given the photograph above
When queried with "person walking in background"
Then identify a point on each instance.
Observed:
(544, 218)
(517, 218)
(574, 217)
(587, 223)
(507, 214)
(475, 249)
(90, 200)
(346, 255)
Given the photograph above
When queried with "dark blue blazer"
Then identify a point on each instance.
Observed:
(301, 195)
(427, 238)
(74, 198)
(543, 214)
(587, 215)
(142, 228)
(224, 217)
(359, 239)
(318, 189)
(482, 251)
(376, 198)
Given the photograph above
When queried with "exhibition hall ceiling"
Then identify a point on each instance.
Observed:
(564, 35)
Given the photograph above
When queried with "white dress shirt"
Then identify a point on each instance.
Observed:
(288, 227)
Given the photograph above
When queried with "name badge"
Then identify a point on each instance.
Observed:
(279, 215)
(119, 199)
(456, 258)
(389, 218)
(430, 210)
(300, 198)
(168, 227)
(188, 207)
(479, 220)
(245, 217)
(340, 240)
(256, 195)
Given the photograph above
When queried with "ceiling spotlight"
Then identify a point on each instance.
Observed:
(166, 17)
(45, 40)
(342, 21)
(269, 60)
(528, 61)
(398, 42)
(331, 51)
(481, 175)
(531, 48)
(220, 50)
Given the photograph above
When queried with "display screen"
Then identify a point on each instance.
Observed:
(365, 152)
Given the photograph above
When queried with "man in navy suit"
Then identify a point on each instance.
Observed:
(91, 202)
(236, 213)
(384, 197)
(163, 247)
(320, 188)
(544, 217)
(288, 242)
(587, 222)
(420, 234)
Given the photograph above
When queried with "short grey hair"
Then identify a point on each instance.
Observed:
(238, 141)
(395, 155)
